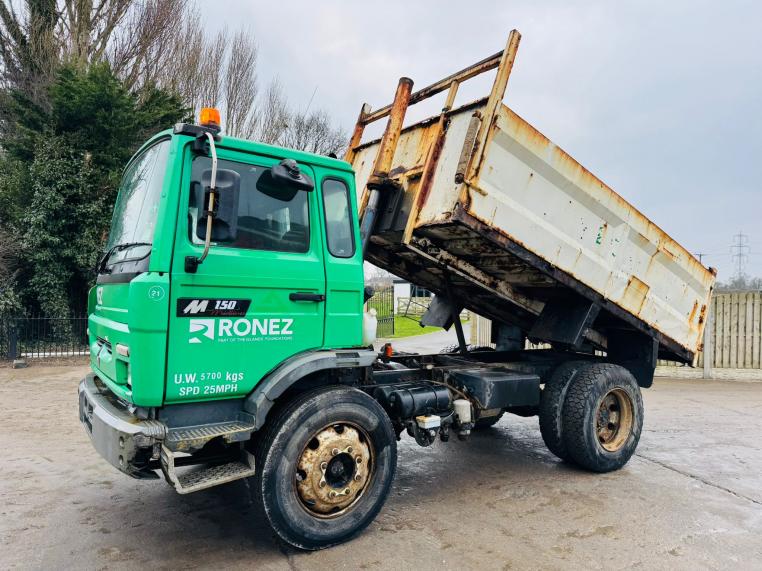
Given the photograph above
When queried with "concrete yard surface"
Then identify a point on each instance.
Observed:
(691, 498)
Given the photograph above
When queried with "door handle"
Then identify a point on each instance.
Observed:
(303, 296)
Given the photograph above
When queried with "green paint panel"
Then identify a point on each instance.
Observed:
(215, 333)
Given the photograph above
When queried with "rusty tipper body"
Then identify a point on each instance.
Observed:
(524, 231)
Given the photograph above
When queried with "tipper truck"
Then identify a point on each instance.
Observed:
(227, 331)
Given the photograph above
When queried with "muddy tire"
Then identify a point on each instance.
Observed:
(487, 422)
(325, 464)
(602, 417)
(551, 407)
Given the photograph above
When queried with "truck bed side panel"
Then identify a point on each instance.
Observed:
(540, 197)
(532, 224)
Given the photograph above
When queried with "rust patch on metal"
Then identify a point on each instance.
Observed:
(468, 148)
(391, 136)
(427, 180)
(494, 103)
(635, 294)
(465, 74)
(354, 141)
(429, 121)
(382, 165)
(702, 315)
(333, 470)
(692, 314)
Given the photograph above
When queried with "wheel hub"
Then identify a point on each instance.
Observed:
(334, 470)
(614, 420)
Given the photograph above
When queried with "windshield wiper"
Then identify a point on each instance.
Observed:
(102, 269)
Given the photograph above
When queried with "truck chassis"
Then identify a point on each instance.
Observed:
(338, 473)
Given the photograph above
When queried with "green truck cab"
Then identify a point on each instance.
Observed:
(289, 280)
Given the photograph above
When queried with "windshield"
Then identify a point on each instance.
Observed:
(137, 206)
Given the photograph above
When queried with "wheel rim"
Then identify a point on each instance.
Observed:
(334, 470)
(614, 419)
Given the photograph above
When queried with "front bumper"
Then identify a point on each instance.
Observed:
(127, 442)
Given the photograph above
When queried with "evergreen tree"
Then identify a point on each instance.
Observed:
(64, 165)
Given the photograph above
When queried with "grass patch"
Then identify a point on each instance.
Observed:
(406, 327)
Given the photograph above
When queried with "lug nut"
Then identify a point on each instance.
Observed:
(322, 483)
(332, 494)
(349, 449)
(357, 477)
(323, 466)
(346, 491)
(359, 460)
(334, 452)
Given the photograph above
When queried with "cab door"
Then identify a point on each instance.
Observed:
(255, 301)
(343, 261)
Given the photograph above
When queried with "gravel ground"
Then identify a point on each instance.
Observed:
(690, 499)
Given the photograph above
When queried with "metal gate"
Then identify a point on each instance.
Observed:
(43, 337)
(383, 302)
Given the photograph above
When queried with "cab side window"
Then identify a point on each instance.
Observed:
(338, 218)
(267, 219)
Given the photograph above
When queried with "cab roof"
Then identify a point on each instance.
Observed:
(258, 148)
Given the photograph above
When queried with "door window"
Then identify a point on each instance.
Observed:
(338, 220)
(267, 219)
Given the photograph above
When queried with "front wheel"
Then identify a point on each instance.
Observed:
(325, 466)
(602, 417)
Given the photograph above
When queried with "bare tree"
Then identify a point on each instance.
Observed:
(193, 64)
(140, 41)
(88, 26)
(132, 35)
(225, 75)
(210, 72)
(272, 116)
(240, 85)
(187, 54)
(29, 51)
(740, 283)
(314, 133)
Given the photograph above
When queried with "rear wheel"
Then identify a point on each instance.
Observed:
(325, 466)
(602, 417)
(551, 406)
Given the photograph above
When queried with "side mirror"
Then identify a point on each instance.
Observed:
(225, 211)
(284, 180)
(288, 174)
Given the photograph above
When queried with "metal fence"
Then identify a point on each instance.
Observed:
(31, 337)
(413, 306)
(383, 302)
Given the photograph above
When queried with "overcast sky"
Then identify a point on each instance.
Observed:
(661, 100)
